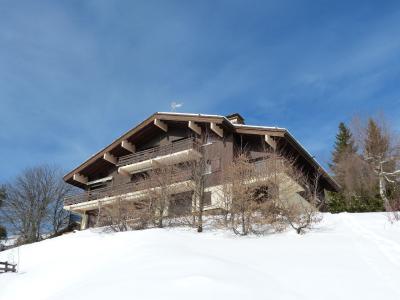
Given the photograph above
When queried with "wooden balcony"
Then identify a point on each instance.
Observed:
(177, 152)
(124, 190)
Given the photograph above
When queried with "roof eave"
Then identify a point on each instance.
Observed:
(307, 154)
(161, 115)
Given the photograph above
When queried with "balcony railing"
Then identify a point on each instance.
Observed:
(120, 190)
(140, 156)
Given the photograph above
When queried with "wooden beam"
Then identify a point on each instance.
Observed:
(195, 118)
(270, 141)
(137, 129)
(278, 133)
(218, 130)
(195, 127)
(110, 158)
(80, 178)
(99, 154)
(161, 124)
(128, 146)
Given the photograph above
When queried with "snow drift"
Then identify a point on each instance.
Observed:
(348, 256)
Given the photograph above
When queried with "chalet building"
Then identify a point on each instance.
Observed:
(116, 172)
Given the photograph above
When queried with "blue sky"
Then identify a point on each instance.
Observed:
(74, 75)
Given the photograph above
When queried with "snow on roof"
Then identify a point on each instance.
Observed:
(224, 117)
(260, 127)
(312, 157)
(191, 114)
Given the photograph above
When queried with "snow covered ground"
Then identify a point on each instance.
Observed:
(348, 256)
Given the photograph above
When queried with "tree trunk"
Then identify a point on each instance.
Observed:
(201, 207)
(382, 189)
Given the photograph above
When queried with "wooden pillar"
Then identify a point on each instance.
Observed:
(84, 221)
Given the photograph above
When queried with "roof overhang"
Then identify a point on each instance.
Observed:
(221, 121)
(151, 121)
(284, 133)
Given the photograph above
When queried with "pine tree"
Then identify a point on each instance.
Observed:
(376, 141)
(344, 147)
(344, 144)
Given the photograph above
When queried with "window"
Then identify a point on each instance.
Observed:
(261, 195)
(265, 193)
(207, 169)
(213, 165)
(207, 198)
(181, 204)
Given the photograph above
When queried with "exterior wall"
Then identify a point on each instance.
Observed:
(294, 198)
(218, 199)
(218, 152)
(221, 201)
(162, 138)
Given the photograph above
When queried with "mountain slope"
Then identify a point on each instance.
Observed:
(348, 256)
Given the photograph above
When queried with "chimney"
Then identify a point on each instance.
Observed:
(235, 118)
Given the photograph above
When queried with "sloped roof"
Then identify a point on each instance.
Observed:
(219, 119)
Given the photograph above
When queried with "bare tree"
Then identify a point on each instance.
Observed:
(269, 193)
(197, 170)
(3, 230)
(250, 195)
(56, 216)
(33, 205)
(200, 168)
(381, 150)
(240, 175)
(300, 208)
(124, 215)
(162, 185)
(357, 176)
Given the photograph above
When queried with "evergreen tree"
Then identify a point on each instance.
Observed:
(344, 144)
(376, 141)
(356, 172)
(357, 194)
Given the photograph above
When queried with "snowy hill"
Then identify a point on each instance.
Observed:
(348, 256)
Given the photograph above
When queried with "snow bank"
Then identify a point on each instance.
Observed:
(348, 256)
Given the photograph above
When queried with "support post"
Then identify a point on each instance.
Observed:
(110, 158)
(195, 127)
(218, 130)
(128, 146)
(270, 141)
(80, 178)
(84, 221)
(161, 124)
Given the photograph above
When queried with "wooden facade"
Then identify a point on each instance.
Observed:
(118, 169)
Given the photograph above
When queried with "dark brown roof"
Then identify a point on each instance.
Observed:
(221, 120)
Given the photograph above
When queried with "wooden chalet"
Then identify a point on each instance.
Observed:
(174, 138)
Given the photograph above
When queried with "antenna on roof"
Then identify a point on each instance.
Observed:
(175, 105)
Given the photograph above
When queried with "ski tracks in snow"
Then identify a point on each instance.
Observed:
(388, 249)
